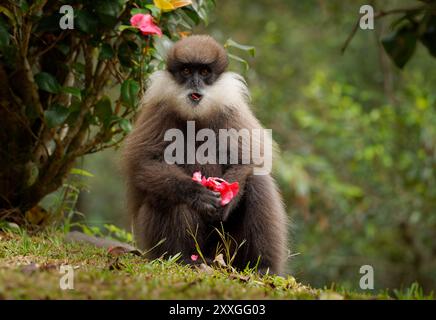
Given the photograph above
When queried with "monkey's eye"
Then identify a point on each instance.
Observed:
(204, 72)
(186, 72)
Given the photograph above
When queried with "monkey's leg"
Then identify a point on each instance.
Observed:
(263, 224)
(166, 233)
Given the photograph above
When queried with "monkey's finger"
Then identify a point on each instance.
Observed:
(212, 200)
(217, 202)
(214, 195)
(209, 207)
(217, 194)
(216, 199)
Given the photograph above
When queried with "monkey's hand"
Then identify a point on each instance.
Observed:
(205, 201)
(225, 211)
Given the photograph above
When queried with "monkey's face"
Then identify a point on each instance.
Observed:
(194, 78)
(196, 94)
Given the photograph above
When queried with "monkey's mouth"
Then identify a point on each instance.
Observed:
(195, 97)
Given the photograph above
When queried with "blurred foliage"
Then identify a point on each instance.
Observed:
(415, 24)
(67, 92)
(357, 169)
(358, 138)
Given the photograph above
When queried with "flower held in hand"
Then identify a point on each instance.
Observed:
(227, 190)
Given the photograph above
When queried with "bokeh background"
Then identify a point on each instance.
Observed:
(357, 137)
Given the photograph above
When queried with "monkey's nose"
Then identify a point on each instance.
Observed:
(195, 96)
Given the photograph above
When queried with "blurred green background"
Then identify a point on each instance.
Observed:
(357, 138)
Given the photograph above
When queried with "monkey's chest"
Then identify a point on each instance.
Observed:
(194, 155)
(208, 170)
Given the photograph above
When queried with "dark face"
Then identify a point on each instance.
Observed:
(194, 76)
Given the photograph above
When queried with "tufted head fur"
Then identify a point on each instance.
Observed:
(198, 49)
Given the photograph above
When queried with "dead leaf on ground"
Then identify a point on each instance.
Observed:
(205, 268)
(37, 216)
(219, 260)
(119, 251)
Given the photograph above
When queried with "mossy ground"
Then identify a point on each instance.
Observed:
(30, 269)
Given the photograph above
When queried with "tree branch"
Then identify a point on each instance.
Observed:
(378, 15)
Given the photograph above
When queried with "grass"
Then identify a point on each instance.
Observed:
(29, 269)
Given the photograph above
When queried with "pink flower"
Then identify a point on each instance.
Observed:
(197, 176)
(194, 257)
(144, 22)
(227, 190)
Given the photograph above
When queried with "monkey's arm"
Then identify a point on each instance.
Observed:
(170, 185)
(236, 173)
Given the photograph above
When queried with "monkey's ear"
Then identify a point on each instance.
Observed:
(221, 63)
(171, 59)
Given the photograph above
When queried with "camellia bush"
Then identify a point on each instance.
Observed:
(71, 76)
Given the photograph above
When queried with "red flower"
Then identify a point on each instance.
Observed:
(144, 22)
(227, 190)
(194, 257)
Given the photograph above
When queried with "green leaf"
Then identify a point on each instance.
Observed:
(428, 38)
(47, 82)
(239, 59)
(73, 91)
(155, 11)
(81, 172)
(231, 43)
(138, 10)
(179, 18)
(23, 5)
(107, 11)
(56, 115)
(400, 45)
(125, 125)
(202, 14)
(64, 48)
(106, 52)
(161, 45)
(103, 111)
(129, 93)
(4, 34)
(8, 14)
(192, 15)
(74, 109)
(126, 27)
(86, 22)
(127, 52)
(78, 67)
(49, 23)
(91, 119)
